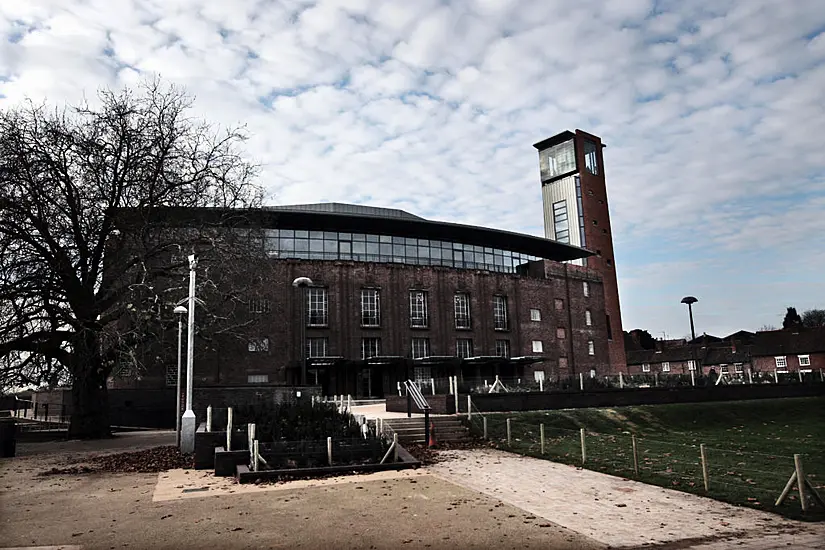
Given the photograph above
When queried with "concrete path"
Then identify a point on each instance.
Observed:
(619, 512)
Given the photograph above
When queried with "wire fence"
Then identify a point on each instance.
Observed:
(746, 478)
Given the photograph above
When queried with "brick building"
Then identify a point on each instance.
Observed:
(393, 296)
(574, 194)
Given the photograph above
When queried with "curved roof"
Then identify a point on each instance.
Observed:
(365, 219)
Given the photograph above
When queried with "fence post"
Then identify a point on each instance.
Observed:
(229, 429)
(655, 379)
(250, 434)
(255, 455)
(455, 385)
(469, 407)
(451, 385)
(209, 418)
(395, 447)
(635, 455)
(621, 380)
(821, 376)
(398, 387)
(705, 477)
(541, 431)
(776, 376)
(484, 422)
(541, 384)
(349, 402)
(508, 433)
(584, 446)
(329, 450)
(581, 381)
(800, 481)
(693, 378)
(432, 384)
(46, 411)
(750, 376)
(799, 372)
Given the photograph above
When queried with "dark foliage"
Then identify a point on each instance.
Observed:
(296, 421)
(792, 319)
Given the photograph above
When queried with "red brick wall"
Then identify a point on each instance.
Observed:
(599, 237)
(229, 362)
(768, 364)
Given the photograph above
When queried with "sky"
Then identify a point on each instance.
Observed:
(713, 112)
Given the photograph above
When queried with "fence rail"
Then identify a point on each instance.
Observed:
(747, 478)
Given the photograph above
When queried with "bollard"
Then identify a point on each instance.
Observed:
(635, 455)
(581, 381)
(800, 481)
(705, 477)
(541, 384)
(432, 385)
(750, 376)
(621, 380)
(469, 407)
(484, 422)
(692, 379)
(329, 450)
(209, 418)
(229, 429)
(541, 431)
(509, 441)
(584, 448)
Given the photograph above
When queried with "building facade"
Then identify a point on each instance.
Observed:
(574, 196)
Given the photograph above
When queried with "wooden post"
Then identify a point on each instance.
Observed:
(455, 385)
(750, 376)
(799, 372)
(451, 386)
(705, 477)
(621, 380)
(255, 455)
(584, 446)
(776, 376)
(800, 481)
(229, 429)
(541, 431)
(395, 447)
(508, 432)
(541, 384)
(469, 407)
(432, 385)
(329, 450)
(655, 379)
(484, 421)
(581, 381)
(250, 435)
(379, 422)
(485, 385)
(693, 378)
(398, 387)
(209, 418)
(635, 455)
(786, 490)
(349, 402)
(821, 376)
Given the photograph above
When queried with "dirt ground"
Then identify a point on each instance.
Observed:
(117, 511)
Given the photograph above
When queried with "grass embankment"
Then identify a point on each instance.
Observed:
(749, 445)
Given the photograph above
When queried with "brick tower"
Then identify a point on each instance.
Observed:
(574, 195)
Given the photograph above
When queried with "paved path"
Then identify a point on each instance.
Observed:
(619, 512)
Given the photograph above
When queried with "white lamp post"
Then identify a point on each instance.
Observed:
(188, 426)
(180, 311)
(302, 283)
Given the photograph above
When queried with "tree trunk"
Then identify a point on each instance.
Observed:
(90, 402)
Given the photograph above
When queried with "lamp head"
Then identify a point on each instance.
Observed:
(689, 300)
(302, 282)
(180, 310)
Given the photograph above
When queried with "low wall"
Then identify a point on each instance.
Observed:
(609, 397)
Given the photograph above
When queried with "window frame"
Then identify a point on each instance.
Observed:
(257, 379)
(665, 366)
(537, 317)
(259, 305)
(591, 348)
(364, 348)
(258, 345)
(691, 365)
(645, 367)
(370, 299)
(586, 289)
(319, 297)
(538, 348)
(806, 357)
(423, 345)
(323, 340)
(588, 318)
(467, 343)
(502, 345)
(501, 320)
(783, 367)
(424, 304)
(461, 300)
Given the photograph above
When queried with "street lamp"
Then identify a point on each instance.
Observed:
(180, 311)
(690, 300)
(302, 283)
(188, 427)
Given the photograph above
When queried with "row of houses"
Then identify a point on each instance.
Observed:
(777, 350)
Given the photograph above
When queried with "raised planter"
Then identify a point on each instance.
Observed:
(226, 462)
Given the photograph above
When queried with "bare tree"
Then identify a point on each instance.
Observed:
(87, 259)
(813, 318)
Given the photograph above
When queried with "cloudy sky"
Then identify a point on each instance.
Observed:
(713, 112)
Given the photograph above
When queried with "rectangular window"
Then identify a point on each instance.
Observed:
(781, 363)
(503, 348)
(462, 310)
(561, 334)
(609, 328)
(591, 348)
(370, 347)
(804, 360)
(737, 368)
(257, 379)
(419, 317)
(557, 160)
(260, 305)
(422, 375)
(535, 315)
(258, 345)
(420, 348)
(586, 289)
(562, 362)
(559, 304)
(588, 319)
(317, 347)
(464, 347)
(538, 346)
(691, 365)
(723, 369)
(317, 307)
(561, 225)
(370, 308)
(591, 157)
(645, 367)
(500, 312)
(665, 367)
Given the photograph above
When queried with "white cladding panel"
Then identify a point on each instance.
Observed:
(561, 190)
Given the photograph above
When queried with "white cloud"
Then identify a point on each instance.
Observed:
(711, 110)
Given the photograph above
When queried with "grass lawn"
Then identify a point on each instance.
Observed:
(749, 445)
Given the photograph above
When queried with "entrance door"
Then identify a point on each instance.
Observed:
(365, 383)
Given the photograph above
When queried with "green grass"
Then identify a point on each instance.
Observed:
(749, 445)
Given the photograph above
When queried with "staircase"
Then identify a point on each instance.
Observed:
(448, 429)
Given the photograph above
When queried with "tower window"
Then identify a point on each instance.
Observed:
(561, 225)
(591, 157)
(557, 160)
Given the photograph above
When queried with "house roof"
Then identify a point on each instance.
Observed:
(796, 341)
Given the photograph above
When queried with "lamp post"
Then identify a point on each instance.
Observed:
(180, 311)
(302, 283)
(690, 300)
(188, 426)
